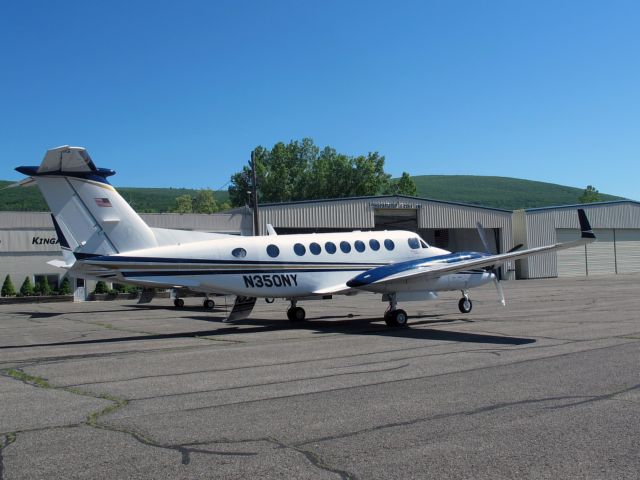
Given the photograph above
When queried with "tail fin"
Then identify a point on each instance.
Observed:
(89, 214)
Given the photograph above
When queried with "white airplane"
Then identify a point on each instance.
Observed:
(102, 236)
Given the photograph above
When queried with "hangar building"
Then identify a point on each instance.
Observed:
(617, 228)
(28, 240)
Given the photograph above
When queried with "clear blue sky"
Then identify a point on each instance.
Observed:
(177, 93)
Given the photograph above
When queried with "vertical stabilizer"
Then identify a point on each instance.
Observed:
(90, 214)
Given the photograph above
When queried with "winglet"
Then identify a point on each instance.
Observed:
(585, 226)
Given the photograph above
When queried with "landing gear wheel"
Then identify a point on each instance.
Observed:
(208, 304)
(296, 314)
(396, 318)
(178, 303)
(465, 305)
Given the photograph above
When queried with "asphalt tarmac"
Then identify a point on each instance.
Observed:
(546, 387)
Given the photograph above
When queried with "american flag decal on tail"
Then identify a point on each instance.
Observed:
(103, 202)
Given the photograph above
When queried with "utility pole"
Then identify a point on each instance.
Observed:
(254, 194)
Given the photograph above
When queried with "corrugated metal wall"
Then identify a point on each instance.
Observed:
(540, 227)
(326, 214)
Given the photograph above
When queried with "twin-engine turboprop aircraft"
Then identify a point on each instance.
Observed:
(101, 236)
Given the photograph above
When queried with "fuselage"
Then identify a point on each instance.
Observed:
(282, 265)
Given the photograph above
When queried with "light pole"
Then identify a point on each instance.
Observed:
(254, 194)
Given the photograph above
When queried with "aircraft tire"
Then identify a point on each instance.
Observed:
(465, 305)
(296, 314)
(396, 318)
(178, 303)
(208, 304)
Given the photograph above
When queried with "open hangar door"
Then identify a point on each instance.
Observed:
(615, 251)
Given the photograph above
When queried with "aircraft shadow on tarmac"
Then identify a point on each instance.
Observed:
(348, 326)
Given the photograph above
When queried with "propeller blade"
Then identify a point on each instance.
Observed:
(483, 237)
(498, 285)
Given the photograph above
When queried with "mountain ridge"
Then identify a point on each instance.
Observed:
(488, 191)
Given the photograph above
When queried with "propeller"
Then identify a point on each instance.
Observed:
(492, 269)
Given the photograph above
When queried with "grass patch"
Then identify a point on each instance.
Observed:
(26, 378)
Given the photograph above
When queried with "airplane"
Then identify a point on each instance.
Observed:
(103, 237)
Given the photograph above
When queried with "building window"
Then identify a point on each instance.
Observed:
(330, 247)
(374, 244)
(345, 246)
(414, 243)
(239, 252)
(273, 251)
(315, 248)
(359, 245)
(389, 245)
(299, 249)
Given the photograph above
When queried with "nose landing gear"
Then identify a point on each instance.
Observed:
(465, 304)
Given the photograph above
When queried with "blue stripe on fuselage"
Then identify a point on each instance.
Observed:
(380, 273)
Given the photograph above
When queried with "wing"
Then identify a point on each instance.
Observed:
(438, 266)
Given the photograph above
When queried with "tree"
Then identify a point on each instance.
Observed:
(205, 202)
(590, 195)
(65, 287)
(184, 204)
(8, 290)
(299, 170)
(27, 288)
(402, 186)
(42, 287)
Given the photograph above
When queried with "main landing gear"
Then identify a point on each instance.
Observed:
(296, 314)
(206, 303)
(465, 305)
(395, 317)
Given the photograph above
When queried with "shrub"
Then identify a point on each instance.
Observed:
(65, 287)
(8, 289)
(43, 287)
(101, 287)
(27, 288)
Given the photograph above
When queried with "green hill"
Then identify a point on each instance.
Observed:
(497, 192)
(143, 200)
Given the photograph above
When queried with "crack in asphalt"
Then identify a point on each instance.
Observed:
(489, 408)
(277, 382)
(185, 450)
(9, 438)
(388, 382)
(313, 360)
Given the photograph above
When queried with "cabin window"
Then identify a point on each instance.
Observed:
(239, 252)
(330, 247)
(315, 248)
(345, 246)
(359, 245)
(299, 249)
(389, 245)
(273, 251)
(374, 244)
(414, 243)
